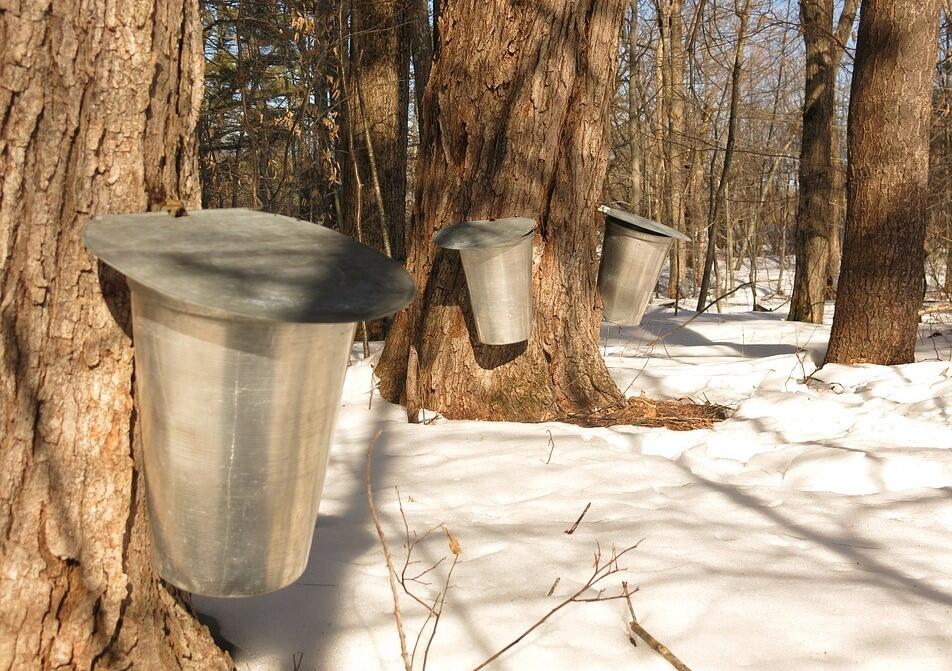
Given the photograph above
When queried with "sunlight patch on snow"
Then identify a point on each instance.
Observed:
(809, 531)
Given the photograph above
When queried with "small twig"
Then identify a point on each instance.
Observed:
(551, 446)
(365, 339)
(391, 573)
(402, 579)
(554, 585)
(601, 572)
(440, 601)
(659, 647)
(643, 634)
(631, 608)
(578, 521)
(432, 419)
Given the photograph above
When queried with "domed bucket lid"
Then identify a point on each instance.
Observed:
(485, 233)
(252, 265)
(637, 223)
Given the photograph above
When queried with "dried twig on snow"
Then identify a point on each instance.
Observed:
(601, 572)
(391, 574)
(652, 642)
(572, 529)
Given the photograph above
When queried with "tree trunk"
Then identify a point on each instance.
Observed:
(635, 146)
(515, 123)
(421, 50)
(815, 210)
(377, 103)
(98, 106)
(844, 26)
(671, 30)
(817, 245)
(881, 283)
(720, 196)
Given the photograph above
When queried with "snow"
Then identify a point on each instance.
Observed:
(811, 530)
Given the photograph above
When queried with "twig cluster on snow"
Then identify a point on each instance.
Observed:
(602, 568)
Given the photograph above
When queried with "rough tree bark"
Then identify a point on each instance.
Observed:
(881, 283)
(816, 225)
(515, 123)
(98, 106)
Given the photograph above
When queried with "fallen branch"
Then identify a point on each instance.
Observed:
(933, 309)
(652, 642)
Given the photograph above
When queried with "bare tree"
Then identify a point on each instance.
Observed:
(720, 197)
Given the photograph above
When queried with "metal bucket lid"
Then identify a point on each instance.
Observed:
(640, 223)
(250, 264)
(485, 233)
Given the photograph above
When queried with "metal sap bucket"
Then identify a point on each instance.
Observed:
(243, 324)
(633, 253)
(497, 261)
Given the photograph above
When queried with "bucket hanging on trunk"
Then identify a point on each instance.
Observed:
(497, 261)
(242, 324)
(633, 253)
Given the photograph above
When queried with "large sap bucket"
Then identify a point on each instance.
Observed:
(242, 325)
(497, 261)
(633, 253)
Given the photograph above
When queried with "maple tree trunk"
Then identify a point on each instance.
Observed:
(815, 209)
(882, 282)
(515, 120)
(98, 106)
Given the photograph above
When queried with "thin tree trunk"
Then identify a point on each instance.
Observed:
(844, 27)
(661, 112)
(743, 15)
(421, 52)
(671, 29)
(515, 123)
(881, 285)
(636, 188)
(98, 107)
(377, 107)
(817, 237)
(815, 210)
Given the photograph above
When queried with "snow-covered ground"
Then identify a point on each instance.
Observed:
(811, 530)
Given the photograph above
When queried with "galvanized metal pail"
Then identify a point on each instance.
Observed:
(497, 261)
(243, 324)
(633, 253)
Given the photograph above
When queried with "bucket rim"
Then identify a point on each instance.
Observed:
(483, 233)
(633, 221)
(252, 265)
